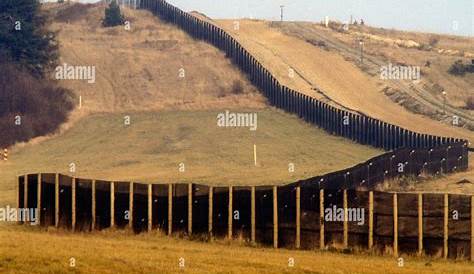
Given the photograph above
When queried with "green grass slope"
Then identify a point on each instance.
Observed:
(151, 148)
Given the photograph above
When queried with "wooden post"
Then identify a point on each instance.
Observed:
(93, 205)
(321, 219)
(446, 218)
(25, 194)
(18, 191)
(73, 199)
(170, 209)
(230, 214)
(395, 225)
(210, 213)
(275, 217)
(346, 219)
(112, 204)
(472, 228)
(17, 188)
(371, 219)
(38, 199)
(190, 209)
(298, 217)
(56, 200)
(420, 224)
(252, 205)
(130, 206)
(150, 207)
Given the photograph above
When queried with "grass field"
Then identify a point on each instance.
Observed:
(29, 249)
(155, 143)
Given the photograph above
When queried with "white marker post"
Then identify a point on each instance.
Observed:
(255, 154)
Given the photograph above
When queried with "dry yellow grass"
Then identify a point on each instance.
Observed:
(29, 250)
(138, 69)
(460, 183)
(409, 48)
(339, 79)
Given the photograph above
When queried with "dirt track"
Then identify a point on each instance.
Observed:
(330, 74)
(421, 100)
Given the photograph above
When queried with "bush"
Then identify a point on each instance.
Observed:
(41, 105)
(433, 41)
(458, 68)
(470, 103)
(237, 87)
(113, 15)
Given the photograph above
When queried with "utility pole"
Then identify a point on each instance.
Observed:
(361, 44)
(281, 12)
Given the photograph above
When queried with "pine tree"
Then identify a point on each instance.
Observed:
(113, 15)
(24, 37)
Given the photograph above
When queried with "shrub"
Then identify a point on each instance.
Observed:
(41, 105)
(237, 87)
(433, 41)
(470, 103)
(458, 68)
(113, 15)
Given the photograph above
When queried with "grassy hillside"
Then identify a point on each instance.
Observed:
(139, 68)
(155, 143)
(433, 53)
(328, 75)
(120, 252)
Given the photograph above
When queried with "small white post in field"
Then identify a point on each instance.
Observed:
(255, 154)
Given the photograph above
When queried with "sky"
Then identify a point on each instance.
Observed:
(438, 16)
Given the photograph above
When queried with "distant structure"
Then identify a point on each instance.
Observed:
(281, 12)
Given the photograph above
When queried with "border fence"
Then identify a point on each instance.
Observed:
(354, 126)
(302, 215)
(294, 216)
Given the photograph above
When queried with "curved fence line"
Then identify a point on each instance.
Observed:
(357, 127)
(412, 151)
(301, 216)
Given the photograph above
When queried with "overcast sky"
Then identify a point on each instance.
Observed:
(441, 16)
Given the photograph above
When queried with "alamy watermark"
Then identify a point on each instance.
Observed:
(337, 214)
(393, 72)
(231, 119)
(69, 72)
(11, 214)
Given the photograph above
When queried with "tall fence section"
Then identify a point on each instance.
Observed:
(299, 215)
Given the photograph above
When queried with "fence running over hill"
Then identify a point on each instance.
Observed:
(294, 215)
(357, 127)
(291, 216)
(413, 152)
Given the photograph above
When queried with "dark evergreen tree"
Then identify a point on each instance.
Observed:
(24, 37)
(113, 15)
